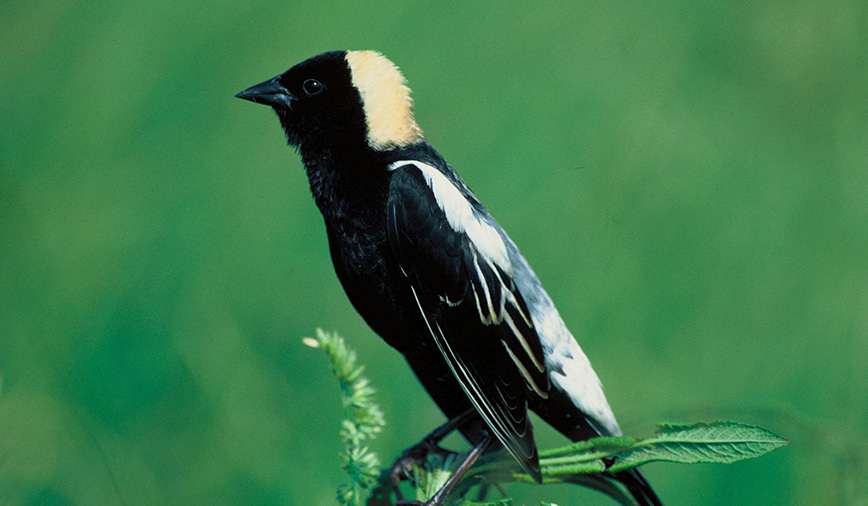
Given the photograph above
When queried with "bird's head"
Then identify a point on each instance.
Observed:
(355, 98)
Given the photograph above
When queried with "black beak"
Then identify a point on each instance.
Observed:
(270, 92)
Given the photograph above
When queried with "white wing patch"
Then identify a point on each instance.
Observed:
(461, 216)
(569, 368)
(571, 371)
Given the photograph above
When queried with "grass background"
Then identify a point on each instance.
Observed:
(689, 180)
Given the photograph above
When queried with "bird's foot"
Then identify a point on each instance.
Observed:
(415, 456)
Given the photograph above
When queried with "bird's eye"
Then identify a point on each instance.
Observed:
(312, 87)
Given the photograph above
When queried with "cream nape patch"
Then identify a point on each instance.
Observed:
(386, 100)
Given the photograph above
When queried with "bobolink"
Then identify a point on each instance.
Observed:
(427, 266)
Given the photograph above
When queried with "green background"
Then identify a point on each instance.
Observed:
(690, 182)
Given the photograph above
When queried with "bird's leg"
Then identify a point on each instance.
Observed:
(439, 498)
(417, 453)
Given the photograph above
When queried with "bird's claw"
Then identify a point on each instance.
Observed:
(416, 455)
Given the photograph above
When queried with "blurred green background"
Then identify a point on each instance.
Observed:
(689, 180)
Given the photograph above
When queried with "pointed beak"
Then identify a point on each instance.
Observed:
(270, 92)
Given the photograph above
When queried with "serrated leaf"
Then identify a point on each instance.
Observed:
(716, 442)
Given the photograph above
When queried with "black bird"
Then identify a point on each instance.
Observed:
(427, 266)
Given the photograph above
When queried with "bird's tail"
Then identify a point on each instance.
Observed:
(638, 487)
(560, 412)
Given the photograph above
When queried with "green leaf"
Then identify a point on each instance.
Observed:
(502, 502)
(602, 445)
(715, 442)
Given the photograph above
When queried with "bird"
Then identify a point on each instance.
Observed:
(429, 269)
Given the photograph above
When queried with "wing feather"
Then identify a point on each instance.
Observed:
(460, 276)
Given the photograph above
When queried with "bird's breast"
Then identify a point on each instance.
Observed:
(373, 282)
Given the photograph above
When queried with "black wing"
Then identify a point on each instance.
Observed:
(460, 275)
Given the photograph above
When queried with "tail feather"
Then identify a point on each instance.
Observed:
(638, 487)
(561, 413)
